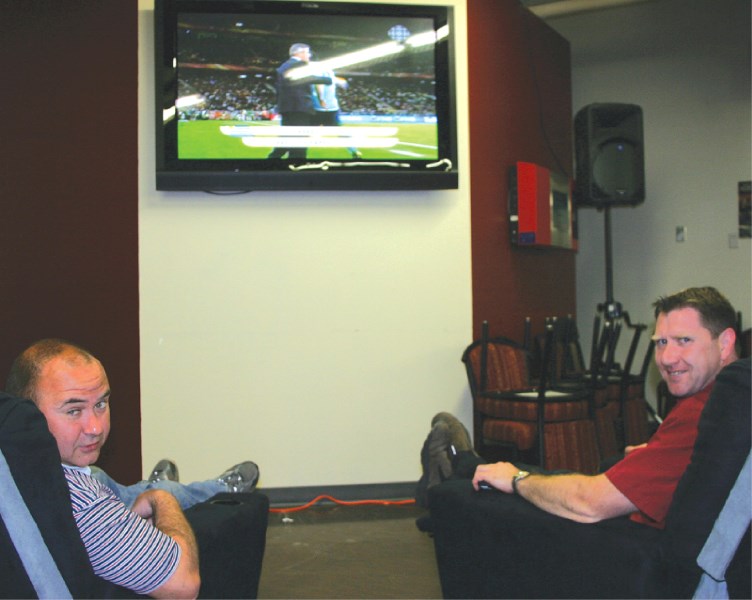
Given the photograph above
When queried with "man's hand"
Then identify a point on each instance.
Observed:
(163, 511)
(144, 505)
(498, 475)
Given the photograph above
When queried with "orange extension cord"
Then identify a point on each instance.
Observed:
(343, 503)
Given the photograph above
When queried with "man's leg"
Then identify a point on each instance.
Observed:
(239, 478)
(293, 119)
(186, 495)
(447, 453)
(126, 493)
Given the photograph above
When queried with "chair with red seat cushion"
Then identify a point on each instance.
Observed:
(550, 428)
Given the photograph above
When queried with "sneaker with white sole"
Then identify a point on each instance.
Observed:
(242, 477)
(164, 470)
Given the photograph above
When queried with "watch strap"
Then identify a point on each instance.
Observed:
(519, 476)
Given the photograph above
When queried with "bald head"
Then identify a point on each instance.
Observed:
(23, 379)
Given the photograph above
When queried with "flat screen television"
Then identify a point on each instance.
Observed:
(287, 95)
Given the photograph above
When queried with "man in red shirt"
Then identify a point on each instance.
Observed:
(694, 339)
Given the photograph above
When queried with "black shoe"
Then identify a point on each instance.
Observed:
(242, 477)
(435, 460)
(425, 524)
(458, 434)
(164, 470)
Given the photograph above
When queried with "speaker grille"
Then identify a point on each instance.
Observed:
(610, 155)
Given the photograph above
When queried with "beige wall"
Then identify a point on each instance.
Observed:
(315, 333)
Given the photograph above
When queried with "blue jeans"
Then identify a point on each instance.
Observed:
(186, 494)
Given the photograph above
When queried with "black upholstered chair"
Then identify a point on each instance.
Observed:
(493, 545)
(230, 528)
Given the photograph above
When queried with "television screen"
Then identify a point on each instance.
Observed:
(255, 95)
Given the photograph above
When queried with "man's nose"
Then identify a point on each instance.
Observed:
(669, 354)
(93, 425)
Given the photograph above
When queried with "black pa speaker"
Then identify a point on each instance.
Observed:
(610, 156)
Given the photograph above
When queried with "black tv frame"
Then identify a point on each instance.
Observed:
(240, 175)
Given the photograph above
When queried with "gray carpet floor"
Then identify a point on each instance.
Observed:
(334, 551)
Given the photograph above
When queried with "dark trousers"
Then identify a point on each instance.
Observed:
(464, 464)
(293, 119)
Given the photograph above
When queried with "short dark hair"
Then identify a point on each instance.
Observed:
(716, 312)
(24, 372)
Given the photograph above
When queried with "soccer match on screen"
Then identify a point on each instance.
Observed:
(313, 87)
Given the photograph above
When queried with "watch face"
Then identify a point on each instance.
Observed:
(520, 475)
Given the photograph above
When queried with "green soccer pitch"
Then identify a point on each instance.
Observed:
(203, 140)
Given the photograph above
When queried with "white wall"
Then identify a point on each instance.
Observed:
(314, 333)
(687, 64)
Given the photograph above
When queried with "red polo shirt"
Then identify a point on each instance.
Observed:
(648, 476)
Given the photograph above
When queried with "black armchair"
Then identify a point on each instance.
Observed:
(494, 545)
(230, 528)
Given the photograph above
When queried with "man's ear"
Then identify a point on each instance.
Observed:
(727, 341)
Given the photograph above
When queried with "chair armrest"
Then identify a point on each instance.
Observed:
(494, 545)
(230, 530)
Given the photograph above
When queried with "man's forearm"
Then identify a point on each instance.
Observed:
(169, 519)
(581, 498)
(562, 495)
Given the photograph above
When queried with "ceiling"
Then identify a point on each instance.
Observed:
(601, 30)
(614, 30)
(559, 8)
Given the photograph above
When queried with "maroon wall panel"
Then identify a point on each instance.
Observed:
(520, 110)
(69, 193)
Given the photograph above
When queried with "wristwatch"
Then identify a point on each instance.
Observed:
(517, 477)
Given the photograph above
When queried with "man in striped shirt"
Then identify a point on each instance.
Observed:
(148, 548)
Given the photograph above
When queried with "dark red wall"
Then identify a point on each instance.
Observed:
(520, 110)
(69, 193)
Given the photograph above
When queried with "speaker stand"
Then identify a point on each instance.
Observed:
(611, 309)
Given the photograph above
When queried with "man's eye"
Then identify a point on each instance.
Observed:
(660, 343)
(74, 412)
(684, 341)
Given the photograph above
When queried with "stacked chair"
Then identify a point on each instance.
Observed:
(571, 373)
(605, 376)
(550, 407)
(523, 415)
(622, 414)
(634, 409)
